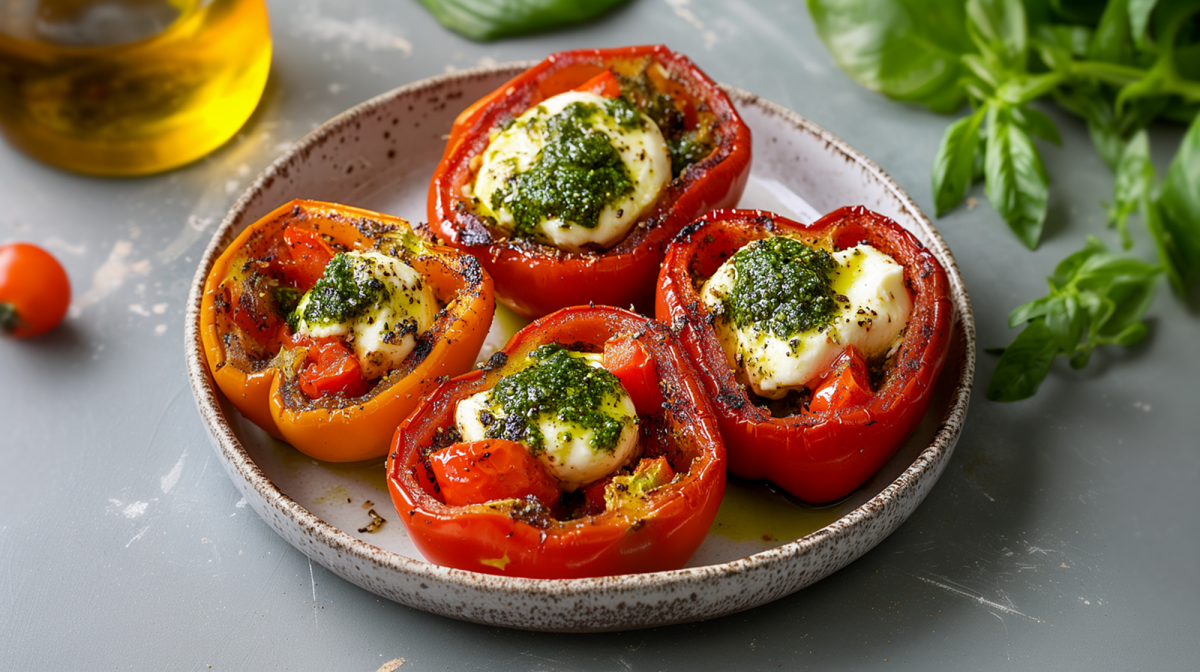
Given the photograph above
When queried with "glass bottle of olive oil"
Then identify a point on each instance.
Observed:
(129, 87)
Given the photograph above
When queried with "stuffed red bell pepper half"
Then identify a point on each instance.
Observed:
(818, 345)
(568, 181)
(585, 448)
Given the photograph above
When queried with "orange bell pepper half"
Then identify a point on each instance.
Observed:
(264, 369)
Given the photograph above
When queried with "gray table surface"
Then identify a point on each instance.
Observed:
(1063, 535)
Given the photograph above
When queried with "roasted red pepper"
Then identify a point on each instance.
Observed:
(644, 530)
(535, 279)
(310, 391)
(848, 429)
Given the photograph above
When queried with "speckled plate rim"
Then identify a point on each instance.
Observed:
(620, 600)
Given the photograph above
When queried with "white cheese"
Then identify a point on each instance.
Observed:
(872, 320)
(643, 151)
(567, 453)
(384, 335)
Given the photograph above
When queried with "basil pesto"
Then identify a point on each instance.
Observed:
(781, 286)
(577, 173)
(346, 290)
(686, 150)
(685, 147)
(557, 384)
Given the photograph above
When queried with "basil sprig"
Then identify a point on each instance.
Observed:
(1118, 65)
(1095, 298)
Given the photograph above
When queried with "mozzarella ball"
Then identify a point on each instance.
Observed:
(871, 318)
(516, 150)
(402, 306)
(567, 448)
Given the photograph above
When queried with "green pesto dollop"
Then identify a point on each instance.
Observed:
(286, 300)
(561, 385)
(685, 147)
(781, 286)
(686, 150)
(346, 290)
(576, 175)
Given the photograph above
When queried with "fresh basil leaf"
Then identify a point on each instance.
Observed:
(1169, 254)
(1089, 102)
(978, 170)
(1066, 322)
(1130, 300)
(1156, 82)
(994, 351)
(1028, 311)
(1101, 272)
(999, 27)
(987, 71)
(1139, 19)
(1180, 206)
(1099, 309)
(905, 49)
(953, 168)
(1108, 143)
(1178, 110)
(1078, 11)
(1111, 42)
(1036, 123)
(1056, 45)
(1021, 89)
(1065, 272)
(1017, 183)
(1138, 113)
(1132, 334)
(1133, 182)
(1170, 16)
(484, 20)
(1187, 61)
(1080, 359)
(1024, 364)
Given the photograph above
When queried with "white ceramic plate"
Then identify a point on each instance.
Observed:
(380, 155)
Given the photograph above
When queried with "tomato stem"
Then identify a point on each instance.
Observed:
(10, 319)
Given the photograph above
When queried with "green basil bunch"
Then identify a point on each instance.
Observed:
(1118, 65)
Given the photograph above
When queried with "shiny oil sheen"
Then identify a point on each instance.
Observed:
(755, 512)
(129, 87)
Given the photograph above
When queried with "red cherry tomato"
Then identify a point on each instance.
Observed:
(308, 255)
(490, 470)
(34, 290)
(604, 84)
(846, 386)
(252, 309)
(332, 368)
(628, 360)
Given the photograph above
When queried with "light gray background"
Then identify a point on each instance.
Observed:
(1064, 533)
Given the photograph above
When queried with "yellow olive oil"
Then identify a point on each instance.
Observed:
(129, 87)
(755, 512)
